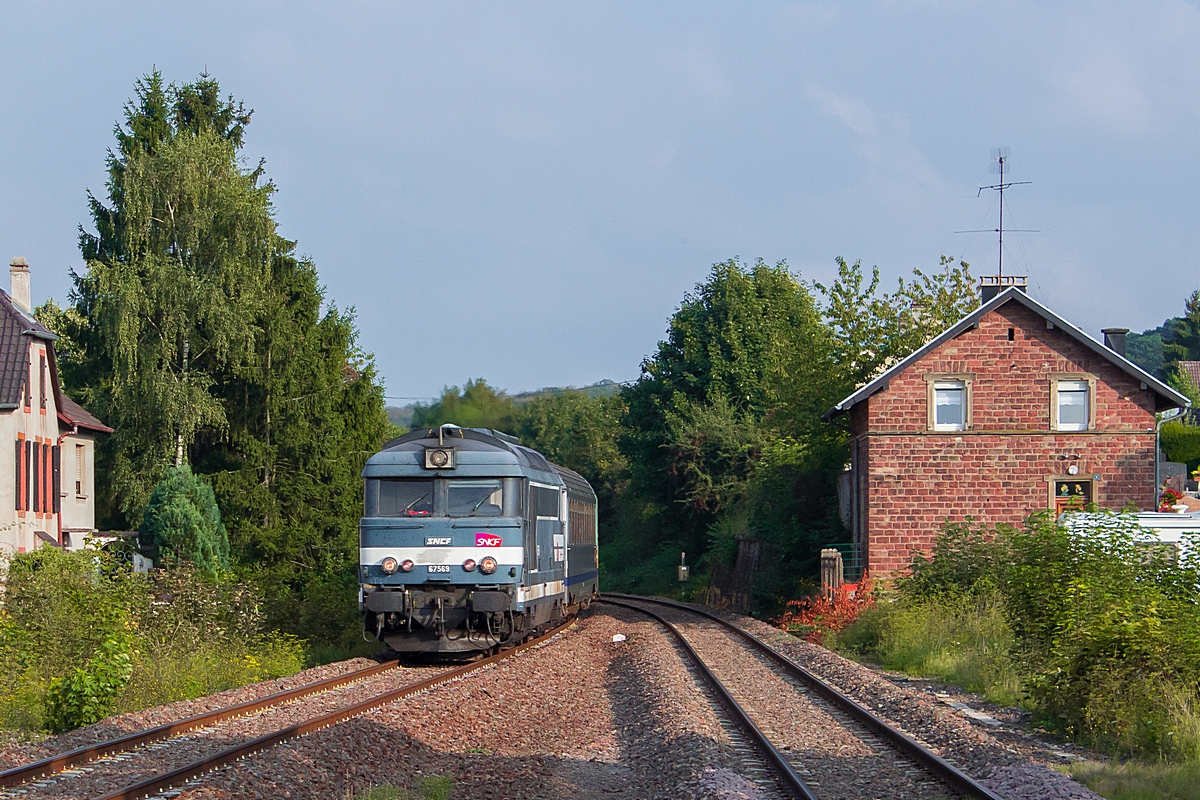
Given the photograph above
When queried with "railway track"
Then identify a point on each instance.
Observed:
(779, 705)
(52, 773)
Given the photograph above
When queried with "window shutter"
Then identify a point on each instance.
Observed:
(57, 459)
(17, 469)
(36, 463)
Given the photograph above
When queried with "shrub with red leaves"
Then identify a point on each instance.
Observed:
(813, 617)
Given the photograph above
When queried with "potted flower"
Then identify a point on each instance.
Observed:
(1169, 501)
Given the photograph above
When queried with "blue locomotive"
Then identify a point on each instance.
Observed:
(470, 542)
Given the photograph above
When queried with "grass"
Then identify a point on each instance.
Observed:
(962, 641)
(1136, 780)
(430, 787)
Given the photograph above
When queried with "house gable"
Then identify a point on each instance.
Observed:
(1012, 381)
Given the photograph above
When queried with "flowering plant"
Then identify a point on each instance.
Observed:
(1168, 498)
(812, 617)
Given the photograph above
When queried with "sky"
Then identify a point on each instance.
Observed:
(524, 192)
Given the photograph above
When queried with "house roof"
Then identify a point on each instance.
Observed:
(16, 326)
(79, 417)
(1168, 397)
(1192, 368)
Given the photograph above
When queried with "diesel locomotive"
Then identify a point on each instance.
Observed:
(470, 542)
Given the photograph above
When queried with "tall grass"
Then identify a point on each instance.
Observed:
(960, 640)
(82, 637)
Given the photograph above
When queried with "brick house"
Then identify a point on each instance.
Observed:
(1011, 410)
(47, 495)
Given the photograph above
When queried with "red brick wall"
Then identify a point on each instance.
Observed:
(998, 470)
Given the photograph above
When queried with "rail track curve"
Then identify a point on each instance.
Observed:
(789, 779)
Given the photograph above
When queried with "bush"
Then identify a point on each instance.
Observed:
(963, 640)
(128, 640)
(1099, 626)
(816, 618)
(182, 523)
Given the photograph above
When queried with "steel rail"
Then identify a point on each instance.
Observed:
(83, 755)
(937, 765)
(217, 760)
(787, 773)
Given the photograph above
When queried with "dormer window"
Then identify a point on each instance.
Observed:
(949, 401)
(42, 378)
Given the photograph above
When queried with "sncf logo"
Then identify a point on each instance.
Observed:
(488, 540)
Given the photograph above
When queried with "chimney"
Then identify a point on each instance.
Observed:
(1114, 339)
(19, 270)
(992, 285)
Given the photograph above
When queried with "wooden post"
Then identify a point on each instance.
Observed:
(832, 574)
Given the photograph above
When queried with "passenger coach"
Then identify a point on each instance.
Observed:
(471, 542)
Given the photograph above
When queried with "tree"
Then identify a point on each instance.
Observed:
(694, 419)
(873, 330)
(478, 406)
(1182, 342)
(580, 433)
(182, 523)
(202, 337)
(176, 275)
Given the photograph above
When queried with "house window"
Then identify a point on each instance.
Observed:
(42, 379)
(1074, 405)
(80, 461)
(949, 406)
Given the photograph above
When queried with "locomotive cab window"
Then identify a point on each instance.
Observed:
(399, 498)
(475, 498)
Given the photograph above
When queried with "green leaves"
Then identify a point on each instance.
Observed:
(88, 693)
(182, 523)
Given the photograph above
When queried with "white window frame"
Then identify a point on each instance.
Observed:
(1077, 379)
(1074, 388)
(964, 382)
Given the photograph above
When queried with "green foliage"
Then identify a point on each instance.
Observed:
(182, 523)
(1181, 442)
(958, 639)
(873, 330)
(1105, 620)
(1140, 780)
(1146, 350)
(82, 637)
(579, 431)
(429, 787)
(1182, 342)
(478, 406)
(88, 693)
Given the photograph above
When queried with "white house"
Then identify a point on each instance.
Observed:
(47, 494)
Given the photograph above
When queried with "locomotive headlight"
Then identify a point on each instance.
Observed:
(469, 564)
(488, 565)
(407, 565)
(389, 565)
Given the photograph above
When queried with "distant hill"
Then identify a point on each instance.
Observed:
(604, 388)
(402, 415)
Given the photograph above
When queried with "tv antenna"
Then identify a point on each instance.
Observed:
(1000, 158)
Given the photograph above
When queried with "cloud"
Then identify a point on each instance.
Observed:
(882, 142)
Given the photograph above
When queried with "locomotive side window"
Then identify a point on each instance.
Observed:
(544, 502)
(400, 498)
(476, 498)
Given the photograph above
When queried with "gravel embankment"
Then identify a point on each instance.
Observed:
(18, 753)
(113, 772)
(582, 717)
(1010, 761)
(834, 755)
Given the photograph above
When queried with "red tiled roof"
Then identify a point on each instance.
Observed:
(1192, 368)
(79, 416)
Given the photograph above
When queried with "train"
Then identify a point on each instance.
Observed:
(471, 543)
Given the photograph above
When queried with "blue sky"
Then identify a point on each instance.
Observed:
(524, 191)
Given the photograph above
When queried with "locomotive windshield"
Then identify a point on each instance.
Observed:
(405, 498)
(479, 498)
